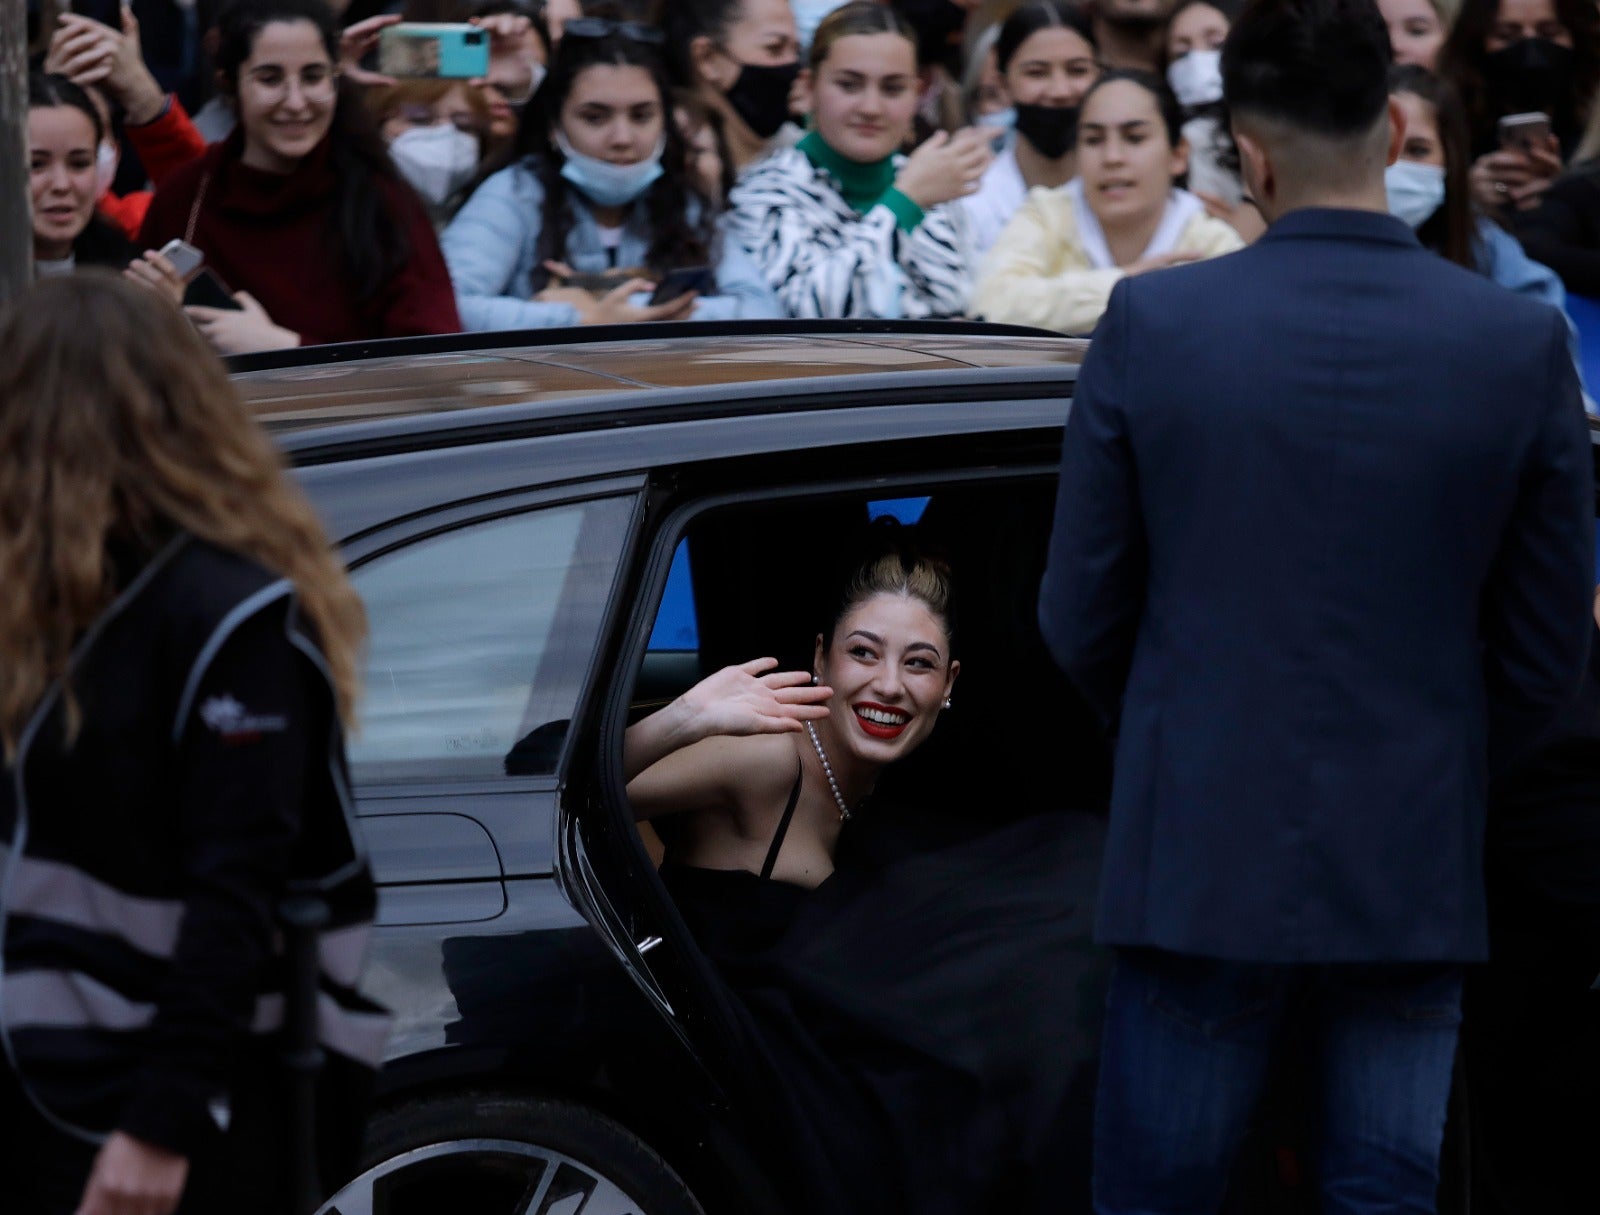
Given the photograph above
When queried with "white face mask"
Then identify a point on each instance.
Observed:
(1196, 78)
(436, 160)
(1416, 190)
(106, 159)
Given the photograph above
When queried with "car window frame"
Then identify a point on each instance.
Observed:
(376, 543)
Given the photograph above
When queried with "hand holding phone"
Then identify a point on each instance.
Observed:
(183, 257)
(674, 283)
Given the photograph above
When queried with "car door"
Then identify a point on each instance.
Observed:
(483, 621)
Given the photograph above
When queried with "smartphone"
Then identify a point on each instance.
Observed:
(209, 291)
(428, 49)
(185, 258)
(106, 12)
(1522, 132)
(682, 281)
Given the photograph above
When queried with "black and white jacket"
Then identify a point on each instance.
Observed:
(825, 260)
(141, 967)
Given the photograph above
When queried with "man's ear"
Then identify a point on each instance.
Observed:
(712, 64)
(1255, 166)
(1397, 131)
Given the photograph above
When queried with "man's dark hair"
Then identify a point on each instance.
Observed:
(1320, 66)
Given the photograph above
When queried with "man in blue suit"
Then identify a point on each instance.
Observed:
(1324, 531)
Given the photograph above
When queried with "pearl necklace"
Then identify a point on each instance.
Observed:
(827, 770)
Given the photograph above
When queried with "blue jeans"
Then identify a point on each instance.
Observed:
(1187, 1047)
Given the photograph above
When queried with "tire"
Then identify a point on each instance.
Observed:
(504, 1154)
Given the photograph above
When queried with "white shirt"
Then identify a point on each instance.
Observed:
(1206, 174)
(1182, 208)
(999, 196)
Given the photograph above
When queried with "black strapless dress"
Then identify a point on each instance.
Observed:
(922, 1029)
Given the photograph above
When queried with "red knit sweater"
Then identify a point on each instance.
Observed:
(271, 234)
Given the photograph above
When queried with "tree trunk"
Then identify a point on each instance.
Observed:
(16, 223)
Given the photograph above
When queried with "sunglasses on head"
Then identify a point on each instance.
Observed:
(600, 27)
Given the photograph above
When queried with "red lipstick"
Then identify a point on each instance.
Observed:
(880, 729)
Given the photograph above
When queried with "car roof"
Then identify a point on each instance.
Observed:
(428, 384)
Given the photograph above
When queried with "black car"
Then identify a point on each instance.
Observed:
(553, 537)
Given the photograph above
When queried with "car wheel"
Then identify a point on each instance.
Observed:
(497, 1154)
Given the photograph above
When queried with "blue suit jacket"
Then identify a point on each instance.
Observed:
(1326, 511)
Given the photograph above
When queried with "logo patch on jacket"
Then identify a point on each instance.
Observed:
(231, 721)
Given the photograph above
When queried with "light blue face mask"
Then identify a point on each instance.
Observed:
(1416, 190)
(606, 184)
(1003, 123)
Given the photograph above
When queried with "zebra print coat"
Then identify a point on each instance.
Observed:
(823, 259)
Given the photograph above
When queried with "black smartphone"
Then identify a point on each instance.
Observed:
(209, 291)
(682, 281)
(106, 12)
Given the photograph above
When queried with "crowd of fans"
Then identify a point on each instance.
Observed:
(630, 160)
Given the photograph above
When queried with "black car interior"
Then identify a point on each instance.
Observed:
(1018, 739)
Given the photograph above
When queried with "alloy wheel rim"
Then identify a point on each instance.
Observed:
(486, 1177)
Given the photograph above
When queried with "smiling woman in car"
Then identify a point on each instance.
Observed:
(902, 1011)
(1055, 264)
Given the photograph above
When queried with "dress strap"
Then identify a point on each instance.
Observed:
(783, 823)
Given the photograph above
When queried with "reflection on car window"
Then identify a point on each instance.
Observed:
(481, 638)
(906, 510)
(677, 627)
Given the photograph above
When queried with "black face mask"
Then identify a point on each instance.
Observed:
(1533, 74)
(1051, 129)
(760, 95)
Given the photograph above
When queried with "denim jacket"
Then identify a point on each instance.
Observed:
(1501, 257)
(490, 248)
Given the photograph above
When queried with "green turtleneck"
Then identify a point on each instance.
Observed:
(864, 186)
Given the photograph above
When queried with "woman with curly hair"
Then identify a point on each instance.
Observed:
(598, 207)
(178, 657)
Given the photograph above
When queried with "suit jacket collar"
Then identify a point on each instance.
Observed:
(1341, 223)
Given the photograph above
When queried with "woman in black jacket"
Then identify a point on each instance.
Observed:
(178, 652)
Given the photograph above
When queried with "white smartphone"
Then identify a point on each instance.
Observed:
(185, 258)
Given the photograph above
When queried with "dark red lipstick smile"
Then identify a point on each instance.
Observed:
(880, 729)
